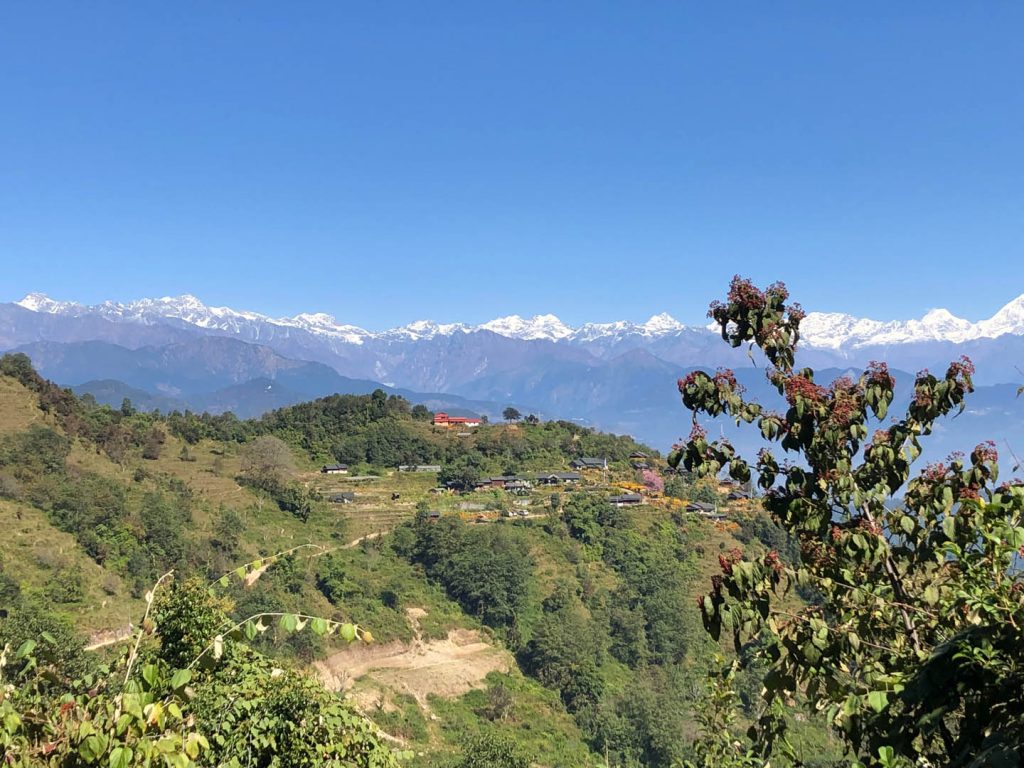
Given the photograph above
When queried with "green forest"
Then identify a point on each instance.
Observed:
(190, 590)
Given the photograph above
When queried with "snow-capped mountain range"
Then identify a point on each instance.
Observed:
(619, 376)
(826, 330)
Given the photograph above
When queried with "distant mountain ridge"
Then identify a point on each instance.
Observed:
(210, 373)
(819, 329)
(619, 376)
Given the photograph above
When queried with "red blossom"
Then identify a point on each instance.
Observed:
(878, 373)
(779, 289)
(771, 560)
(729, 559)
(985, 452)
(960, 368)
(688, 380)
(744, 294)
(725, 378)
(800, 388)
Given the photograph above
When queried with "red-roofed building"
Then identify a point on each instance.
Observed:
(444, 420)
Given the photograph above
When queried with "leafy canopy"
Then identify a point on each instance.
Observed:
(914, 645)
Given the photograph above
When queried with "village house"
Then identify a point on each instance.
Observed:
(505, 482)
(637, 455)
(419, 468)
(588, 462)
(558, 478)
(705, 510)
(334, 469)
(626, 499)
(444, 420)
(740, 495)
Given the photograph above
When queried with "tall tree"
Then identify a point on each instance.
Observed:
(914, 644)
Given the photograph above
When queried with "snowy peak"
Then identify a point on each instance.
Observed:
(40, 302)
(662, 324)
(829, 330)
(834, 330)
(1009, 319)
(546, 327)
(425, 329)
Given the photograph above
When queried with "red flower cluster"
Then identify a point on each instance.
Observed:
(985, 452)
(729, 559)
(690, 378)
(878, 373)
(845, 401)
(934, 473)
(923, 397)
(797, 387)
(796, 313)
(745, 294)
(871, 526)
(960, 368)
(771, 560)
(969, 492)
(724, 377)
(779, 289)
(697, 432)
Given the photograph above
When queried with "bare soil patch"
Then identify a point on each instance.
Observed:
(448, 667)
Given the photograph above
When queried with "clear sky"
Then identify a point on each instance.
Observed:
(391, 161)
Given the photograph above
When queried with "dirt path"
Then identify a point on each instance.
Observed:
(448, 667)
(106, 637)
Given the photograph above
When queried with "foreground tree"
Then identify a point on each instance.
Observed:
(188, 692)
(510, 414)
(913, 643)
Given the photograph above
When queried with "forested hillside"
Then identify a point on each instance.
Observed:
(545, 625)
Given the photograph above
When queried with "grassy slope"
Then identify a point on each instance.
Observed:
(38, 553)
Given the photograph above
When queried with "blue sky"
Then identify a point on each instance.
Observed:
(391, 161)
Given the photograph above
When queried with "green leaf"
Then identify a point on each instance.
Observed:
(180, 679)
(289, 621)
(931, 594)
(878, 700)
(121, 757)
(907, 524)
(93, 747)
(949, 526)
(348, 632)
(25, 649)
(149, 674)
(319, 626)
